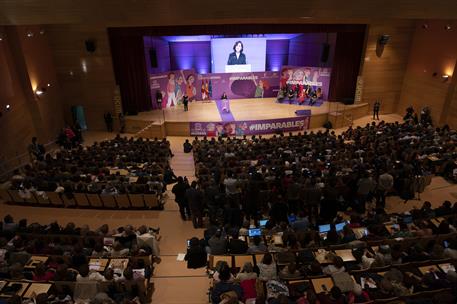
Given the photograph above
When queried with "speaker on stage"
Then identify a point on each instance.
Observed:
(325, 52)
(153, 58)
(91, 47)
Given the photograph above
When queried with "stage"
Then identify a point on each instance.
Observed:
(175, 121)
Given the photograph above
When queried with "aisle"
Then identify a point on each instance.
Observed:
(174, 283)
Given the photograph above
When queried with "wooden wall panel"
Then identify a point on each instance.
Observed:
(86, 79)
(30, 65)
(383, 75)
(434, 50)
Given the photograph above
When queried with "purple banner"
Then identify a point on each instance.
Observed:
(249, 127)
(173, 85)
(238, 85)
(305, 82)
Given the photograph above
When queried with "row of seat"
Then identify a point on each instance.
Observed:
(85, 200)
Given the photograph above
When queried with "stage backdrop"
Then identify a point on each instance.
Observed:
(249, 127)
(172, 85)
(307, 76)
(239, 85)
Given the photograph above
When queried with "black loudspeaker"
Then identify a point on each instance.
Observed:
(384, 39)
(153, 58)
(90, 45)
(325, 52)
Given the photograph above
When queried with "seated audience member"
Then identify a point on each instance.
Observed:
(196, 255)
(246, 273)
(41, 274)
(358, 295)
(85, 274)
(290, 272)
(9, 224)
(221, 265)
(301, 223)
(225, 286)
(451, 250)
(348, 234)
(257, 246)
(235, 245)
(119, 250)
(217, 243)
(313, 269)
(337, 265)
(267, 269)
(334, 297)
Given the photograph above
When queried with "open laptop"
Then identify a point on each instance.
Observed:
(263, 223)
(254, 232)
(324, 228)
(292, 218)
(339, 227)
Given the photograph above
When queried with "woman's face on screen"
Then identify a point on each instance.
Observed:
(238, 47)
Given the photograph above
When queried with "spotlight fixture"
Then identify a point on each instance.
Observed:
(425, 26)
(29, 34)
(8, 107)
(1, 38)
(42, 32)
(448, 27)
(48, 85)
(445, 77)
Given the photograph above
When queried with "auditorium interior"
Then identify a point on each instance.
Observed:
(222, 152)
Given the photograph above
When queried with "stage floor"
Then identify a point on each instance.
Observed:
(175, 122)
(242, 109)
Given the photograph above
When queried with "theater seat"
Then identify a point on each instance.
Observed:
(137, 200)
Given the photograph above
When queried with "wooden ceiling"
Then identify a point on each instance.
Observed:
(181, 12)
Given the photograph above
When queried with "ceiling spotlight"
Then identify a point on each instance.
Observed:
(447, 27)
(42, 32)
(48, 85)
(1, 38)
(29, 34)
(39, 92)
(71, 73)
(8, 107)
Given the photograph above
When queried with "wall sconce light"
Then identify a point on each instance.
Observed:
(445, 77)
(40, 91)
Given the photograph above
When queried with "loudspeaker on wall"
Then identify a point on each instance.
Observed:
(90, 45)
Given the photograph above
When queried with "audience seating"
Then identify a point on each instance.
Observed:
(87, 200)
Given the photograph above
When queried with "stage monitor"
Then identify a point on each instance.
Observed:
(238, 54)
